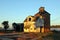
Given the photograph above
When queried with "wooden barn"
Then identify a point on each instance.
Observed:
(40, 22)
(46, 18)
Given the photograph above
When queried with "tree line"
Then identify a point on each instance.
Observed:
(17, 27)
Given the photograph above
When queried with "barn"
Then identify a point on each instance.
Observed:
(40, 22)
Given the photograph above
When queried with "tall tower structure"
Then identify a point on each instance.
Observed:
(46, 18)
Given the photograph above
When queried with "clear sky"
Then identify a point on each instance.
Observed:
(18, 10)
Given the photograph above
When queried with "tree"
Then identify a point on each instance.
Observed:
(6, 25)
(14, 26)
(18, 27)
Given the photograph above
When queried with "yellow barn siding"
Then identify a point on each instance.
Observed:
(26, 30)
(37, 29)
(30, 25)
(43, 30)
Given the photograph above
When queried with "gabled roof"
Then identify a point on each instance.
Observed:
(26, 18)
(45, 12)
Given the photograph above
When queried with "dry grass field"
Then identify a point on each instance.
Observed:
(53, 35)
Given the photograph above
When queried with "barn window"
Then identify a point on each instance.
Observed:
(29, 19)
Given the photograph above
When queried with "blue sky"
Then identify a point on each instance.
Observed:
(18, 10)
